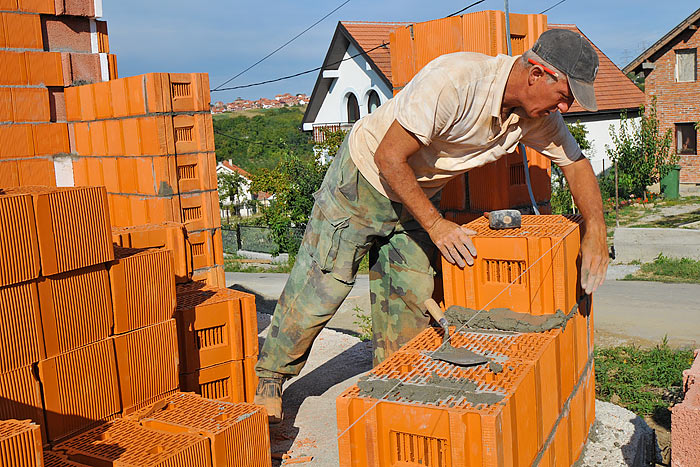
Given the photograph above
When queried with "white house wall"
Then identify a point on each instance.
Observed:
(357, 77)
(599, 135)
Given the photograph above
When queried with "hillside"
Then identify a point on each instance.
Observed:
(257, 139)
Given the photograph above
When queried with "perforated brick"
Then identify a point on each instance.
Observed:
(20, 443)
(19, 247)
(224, 382)
(20, 326)
(20, 396)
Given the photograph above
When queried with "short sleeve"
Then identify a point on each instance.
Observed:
(427, 105)
(550, 136)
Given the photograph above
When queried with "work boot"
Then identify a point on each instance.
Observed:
(269, 395)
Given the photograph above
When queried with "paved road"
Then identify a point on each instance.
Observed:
(625, 311)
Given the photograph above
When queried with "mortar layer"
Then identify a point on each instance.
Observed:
(432, 391)
(504, 319)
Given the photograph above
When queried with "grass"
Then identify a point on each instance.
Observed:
(645, 381)
(630, 215)
(231, 265)
(663, 269)
(673, 221)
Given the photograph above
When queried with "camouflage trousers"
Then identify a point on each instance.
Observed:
(349, 220)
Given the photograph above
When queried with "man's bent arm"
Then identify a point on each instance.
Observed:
(391, 158)
(594, 248)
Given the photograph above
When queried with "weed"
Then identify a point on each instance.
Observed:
(665, 269)
(642, 380)
(364, 322)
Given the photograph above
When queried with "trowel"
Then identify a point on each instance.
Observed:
(446, 352)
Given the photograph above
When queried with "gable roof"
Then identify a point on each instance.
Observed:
(234, 168)
(614, 91)
(656, 50)
(365, 36)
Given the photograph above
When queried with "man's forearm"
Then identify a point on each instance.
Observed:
(584, 188)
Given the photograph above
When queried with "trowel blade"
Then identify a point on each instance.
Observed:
(459, 357)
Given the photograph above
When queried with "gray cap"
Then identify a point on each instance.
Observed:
(573, 55)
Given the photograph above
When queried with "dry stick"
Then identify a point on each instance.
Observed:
(451, 336)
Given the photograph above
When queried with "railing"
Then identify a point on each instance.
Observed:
(319, 136)
(253, 238)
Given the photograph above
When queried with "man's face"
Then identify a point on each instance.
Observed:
(545, 95)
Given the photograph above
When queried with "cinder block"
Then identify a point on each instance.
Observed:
(50, 138)
(72, 226)
(224, 382)
(67, 34)
(196, 172)
(20, 247)
(37, 6)
(169, 235)
(535, 263)
(76, 309)
(17, 141)
(147, 360)
(44, 68)
(13, 68)
(125, 442)
(238, 433)
(143, 288)
(20, 327)
(20, 396)
(80, 388)
(22, 31)
(30, 104)
(20, 443)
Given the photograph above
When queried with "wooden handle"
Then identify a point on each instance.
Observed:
(434, 310)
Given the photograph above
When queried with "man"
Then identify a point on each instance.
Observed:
(381, 193)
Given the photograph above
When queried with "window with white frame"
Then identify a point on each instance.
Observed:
(686, 65)
(373, 101)
(686, 138)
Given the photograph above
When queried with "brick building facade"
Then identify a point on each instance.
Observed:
(670, 67)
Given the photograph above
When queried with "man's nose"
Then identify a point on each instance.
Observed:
(564, 106)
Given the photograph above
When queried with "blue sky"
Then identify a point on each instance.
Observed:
(223, 38)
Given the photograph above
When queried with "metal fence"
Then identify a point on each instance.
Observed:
(253, 238)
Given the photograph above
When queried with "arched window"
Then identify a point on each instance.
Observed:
(373, 101)
(353, 108)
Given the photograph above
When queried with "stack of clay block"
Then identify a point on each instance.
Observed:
(218, 338)
(88, 331)
(149, 140)
(532, 404)
(20, 443)
(685, 419)
(45, 46)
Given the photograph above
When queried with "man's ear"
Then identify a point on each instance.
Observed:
(534, 73)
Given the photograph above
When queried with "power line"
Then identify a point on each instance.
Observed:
(558, 3)
(276, 145)
(383, 44)
(282, 46)
(465, 8)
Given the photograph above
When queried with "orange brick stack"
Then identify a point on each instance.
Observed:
(546, 387)
(20, 443)
(45, 46)
(149, 140)
(218, 337)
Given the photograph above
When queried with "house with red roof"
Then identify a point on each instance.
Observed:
(670, 69)
(246, 203)
(356, 78)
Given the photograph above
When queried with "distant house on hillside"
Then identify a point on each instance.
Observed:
(670, 67)
(247, 203)
(356, 78)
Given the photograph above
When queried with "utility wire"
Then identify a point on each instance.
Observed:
(465, 8)
(240, 140)
(558, 3)
(282, 46)
(383, 44)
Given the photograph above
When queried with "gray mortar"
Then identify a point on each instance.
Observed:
(434, 390)
(504, 319)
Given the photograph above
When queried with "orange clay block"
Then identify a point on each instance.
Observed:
(201, 249)
(17, 141)
(44, 68)
(196, 172)
(36, 172)
(50, 138)
(19, 246)
(20, 396)
(251, 379)
(20, 327)
(143, 288)
(76, 309)
(239, 433)
(80, 388)
(215, 326)
(148, 364)
(170, 235)
(55, 459)
(454, 431)
(30, 104)
(192, 133)
(22, 31)
(224, 382)
(454, 195)
(545, 246)
(131, 210)
(125, 443)
(197, 210)
(20, 443)
(214, 276)
(72, 225)
(186, 288)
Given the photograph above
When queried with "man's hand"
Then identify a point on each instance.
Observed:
(453, 241)
(594, 259)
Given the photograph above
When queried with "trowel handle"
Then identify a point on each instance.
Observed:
(436, 312)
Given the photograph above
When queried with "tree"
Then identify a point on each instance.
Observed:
(332, 140)
(232, 188)
(561, 200)
(641, 151)
(637, 79)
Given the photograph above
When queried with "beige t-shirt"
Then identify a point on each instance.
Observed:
(453, 106)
